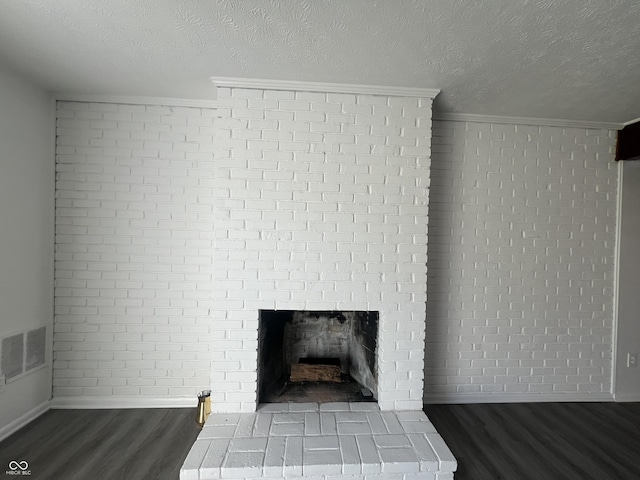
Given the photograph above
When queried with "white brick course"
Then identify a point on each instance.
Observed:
(521, 239)
(301, 224)
(339, 441)
(133, 251)
(176, 225)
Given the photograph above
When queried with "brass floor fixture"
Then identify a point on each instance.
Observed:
(204, 407)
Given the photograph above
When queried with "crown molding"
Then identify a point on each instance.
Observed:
(136, 100)
(264, 84)
(543, 122)
(631, 122)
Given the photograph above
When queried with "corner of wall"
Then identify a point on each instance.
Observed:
(26, 246)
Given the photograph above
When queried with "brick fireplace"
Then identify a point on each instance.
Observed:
(321, 207)
(322, 204)
(317, 356)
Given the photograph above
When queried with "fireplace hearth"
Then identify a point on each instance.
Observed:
(321, 212)
(328, 441)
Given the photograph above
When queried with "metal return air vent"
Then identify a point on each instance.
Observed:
(35, 348)
(12, 356)
(23, 352)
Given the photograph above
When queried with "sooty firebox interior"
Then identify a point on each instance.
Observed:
(317, 356)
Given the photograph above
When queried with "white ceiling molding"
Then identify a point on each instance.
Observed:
(301, 86)
(136, 100)
(546, 122)
(631, 122)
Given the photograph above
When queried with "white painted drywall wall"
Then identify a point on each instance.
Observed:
(627, 384)
(26, 234)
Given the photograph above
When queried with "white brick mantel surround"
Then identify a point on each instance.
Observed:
(321, 204)
(273, 200)
(137, 210)
(176, 225)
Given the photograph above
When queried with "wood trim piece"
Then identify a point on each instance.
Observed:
(546, 122)
(517, 398)
(23, 420)
(123, 402)
(631, 122)
(135, 100)
(627, 397)
(616, 280)
(265, 84)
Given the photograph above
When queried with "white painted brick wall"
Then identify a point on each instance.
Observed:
(319, 202)
(322, 203)
(521, 248)
(134, 247)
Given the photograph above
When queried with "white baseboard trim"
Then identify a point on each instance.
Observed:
(516, 398)
(122, 402)
(24, 420)
(627, 397)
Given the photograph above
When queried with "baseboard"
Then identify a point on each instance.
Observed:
(24, 420)
(516, 398)
(60, 403)
(627, 397)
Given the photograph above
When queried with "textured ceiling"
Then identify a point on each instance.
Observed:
(562, 59)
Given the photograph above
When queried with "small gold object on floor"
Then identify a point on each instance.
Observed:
(204, 407)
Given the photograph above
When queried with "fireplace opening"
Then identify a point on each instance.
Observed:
(317, 356)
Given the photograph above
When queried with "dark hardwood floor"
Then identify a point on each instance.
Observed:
(535, 441)
(542, 441)
(140, 444)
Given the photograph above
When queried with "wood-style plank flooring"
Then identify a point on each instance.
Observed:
(542, 441)
(140, 444)
(536, 441)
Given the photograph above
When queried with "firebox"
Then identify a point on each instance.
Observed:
(318, 356)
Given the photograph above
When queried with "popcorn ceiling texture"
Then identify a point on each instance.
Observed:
(521, 253)
(537, 58)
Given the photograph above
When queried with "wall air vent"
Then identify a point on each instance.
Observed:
(35, 348)
(22, 353)
(12, 356)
